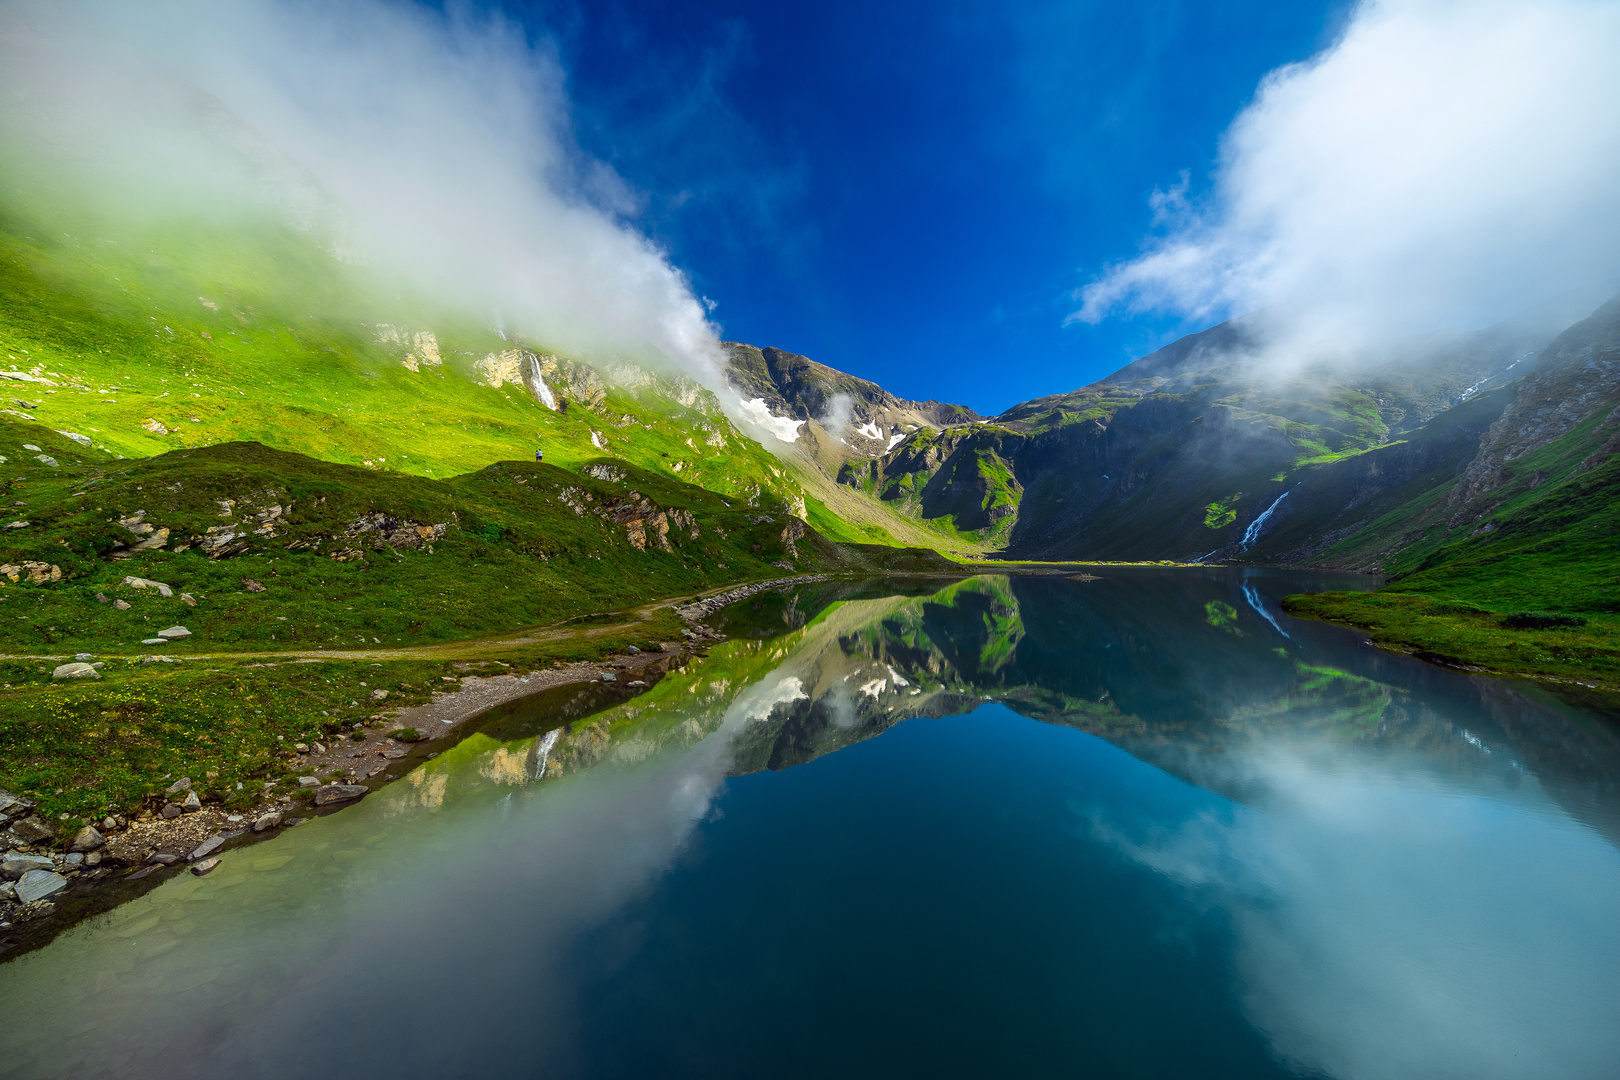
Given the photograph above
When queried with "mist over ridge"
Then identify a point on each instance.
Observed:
(434, 149)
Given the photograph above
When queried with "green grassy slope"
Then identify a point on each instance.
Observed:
(183, 333)
(1550, 552)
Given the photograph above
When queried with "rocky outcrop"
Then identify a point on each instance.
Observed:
(550, 380)
(1577, 377)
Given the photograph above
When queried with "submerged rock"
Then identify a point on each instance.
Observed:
(204, 867)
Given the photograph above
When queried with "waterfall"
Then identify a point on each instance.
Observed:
(541, 751)
(1252, 533)
(1253, 597)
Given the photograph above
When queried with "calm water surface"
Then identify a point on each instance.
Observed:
(1143, 826)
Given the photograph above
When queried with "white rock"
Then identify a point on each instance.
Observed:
(148, 583)
(76, 670)
(174, 632)
(308, 781)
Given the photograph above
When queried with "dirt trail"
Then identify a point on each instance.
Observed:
(465, 648)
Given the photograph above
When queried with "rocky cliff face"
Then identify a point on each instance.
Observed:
(1574, 383)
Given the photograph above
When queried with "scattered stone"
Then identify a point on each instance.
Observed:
(88, 839)
(631, 649)
(207, 847)
(121, 605)
(267, 821)
(302, 748)
(31, 830)
(608, 676)
(8, 891)
(174, 632)
(75, 670)
(82, 440)
(334, 793)
(84, 656)
(252, 586)
(72, 860)
(394, 755)
(406, 734)
(308, 781)
(38, 884)
(148, 583)
(191, 804)
(204, 867)
(379, 695)
(171, 811)
(182, 784)
(109, 824)
(635, 682)
(290, 822)
(93, 859)
(162, 858)
(101, 598)
(154, 641)
(320, 748)
(189, 599)
(16, 864)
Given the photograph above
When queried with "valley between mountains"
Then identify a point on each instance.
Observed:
(223, 445)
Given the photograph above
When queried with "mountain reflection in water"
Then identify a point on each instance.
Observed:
(1290, 854)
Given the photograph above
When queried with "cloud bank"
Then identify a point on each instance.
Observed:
(1443, 165)
(442, 139)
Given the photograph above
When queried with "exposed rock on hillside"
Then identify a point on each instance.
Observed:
(1574, 380)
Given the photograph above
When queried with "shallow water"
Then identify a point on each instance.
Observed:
(1144, 826)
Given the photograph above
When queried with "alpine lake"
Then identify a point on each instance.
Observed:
(1138, 825)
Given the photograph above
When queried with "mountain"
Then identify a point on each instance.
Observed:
(826, 425)
(1174, 456)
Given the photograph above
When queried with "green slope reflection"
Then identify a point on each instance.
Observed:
(1415, 869)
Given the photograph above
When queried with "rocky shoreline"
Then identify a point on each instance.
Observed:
(46, 888)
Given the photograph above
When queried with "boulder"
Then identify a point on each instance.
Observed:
(174, 632)
(75, 670)
(335, 793)
(182, 784)
(267, 821)
(148, 583)
(207, 847)
(171, 811)
(162, 858)
(36, 885)
(73, 860)
(191, 804)
(31, 830)
(308, 781)
(204, 867)
(87, 839)
(379, 695)
(121, 605)
(15, 864)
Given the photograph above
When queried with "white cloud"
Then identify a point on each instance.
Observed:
(443, 139)
(1444, 164)
(1393, 919)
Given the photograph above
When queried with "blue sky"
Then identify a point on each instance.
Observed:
(912, 191)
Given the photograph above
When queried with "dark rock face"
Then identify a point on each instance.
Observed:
(1577, 377)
